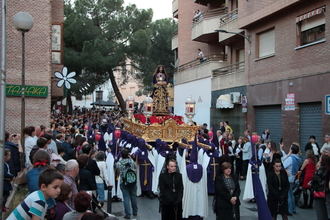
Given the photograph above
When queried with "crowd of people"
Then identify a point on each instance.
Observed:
(69, 165)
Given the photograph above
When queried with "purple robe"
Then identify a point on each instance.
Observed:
(146, 170)
(212, 169)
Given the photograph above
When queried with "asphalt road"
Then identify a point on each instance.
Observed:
(148, 210)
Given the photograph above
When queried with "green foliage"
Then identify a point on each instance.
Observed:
(154, 45)
(98, 36)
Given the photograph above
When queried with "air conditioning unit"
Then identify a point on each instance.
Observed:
(235, 97)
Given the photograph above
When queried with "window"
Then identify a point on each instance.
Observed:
(266, 44)
(312, 30)
(311, 27)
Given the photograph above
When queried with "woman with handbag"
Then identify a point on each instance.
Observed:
(102, 181)
(319, 186)
(308, 170)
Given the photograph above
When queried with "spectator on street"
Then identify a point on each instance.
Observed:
(238, 158)
(86, 178)
(29, 142)
(71, 172)
(82, 202)
(102, 180)
(278, 188)
(326, 142)
(7, 176)
(314, 146)
(229, 130)
(265, 135)
(307, 171)
(246, 155)
(15, 150)
(320, 185)
(292, 163)
(127, 169)
(41, 161)
(227, 192)
(68, 148)
(62, 206)
(49, 185)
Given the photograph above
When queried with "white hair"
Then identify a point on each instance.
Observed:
(71, 164)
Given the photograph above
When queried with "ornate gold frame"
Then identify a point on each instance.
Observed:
(170, 131)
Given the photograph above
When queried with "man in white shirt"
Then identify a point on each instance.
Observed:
(326, 143)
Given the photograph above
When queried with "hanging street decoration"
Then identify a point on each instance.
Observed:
(65, 78)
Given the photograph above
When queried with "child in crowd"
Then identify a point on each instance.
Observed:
(34, 206)
(7, 176)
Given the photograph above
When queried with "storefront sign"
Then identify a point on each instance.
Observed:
(290, 102)
(32, 91)
(327, 104)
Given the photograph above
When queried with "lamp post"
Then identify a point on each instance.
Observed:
(190, 109)
(2, 94)
(130, 106)
(23, 22)
(147, 108)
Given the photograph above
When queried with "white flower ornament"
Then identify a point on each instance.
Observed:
(65, 78)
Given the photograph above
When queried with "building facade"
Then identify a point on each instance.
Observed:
(43, 56)
(289, 68)
(273, 69)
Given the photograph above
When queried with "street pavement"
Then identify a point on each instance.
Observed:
(148, 210)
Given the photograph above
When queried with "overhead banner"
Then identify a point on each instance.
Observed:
(31, 91)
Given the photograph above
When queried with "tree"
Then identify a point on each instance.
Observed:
(98, 36)
(155, 44)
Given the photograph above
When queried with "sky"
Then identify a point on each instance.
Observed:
(161, 8)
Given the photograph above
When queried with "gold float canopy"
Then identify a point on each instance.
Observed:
(170, 131)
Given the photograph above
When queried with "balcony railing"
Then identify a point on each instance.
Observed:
(233, 68)
(196, 62)
(229, 17)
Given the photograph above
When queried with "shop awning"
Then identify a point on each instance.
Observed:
(224, 101)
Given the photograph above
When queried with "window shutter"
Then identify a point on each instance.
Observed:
(267, 43)
(312, 23)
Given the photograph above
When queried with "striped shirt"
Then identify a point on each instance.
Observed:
(34, 204)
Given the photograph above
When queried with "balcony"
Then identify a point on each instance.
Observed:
(229, 23)
(205, 2)
(194, 70)
(175, 42)
(229, 76)
(175, 8)
(203, 29)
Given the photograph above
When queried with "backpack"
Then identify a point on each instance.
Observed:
(129, 176)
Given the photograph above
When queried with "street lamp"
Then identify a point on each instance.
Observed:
(147, 108)
(190, 109)
(130, 106)
(23, 22)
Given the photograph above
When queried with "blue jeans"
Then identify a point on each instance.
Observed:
(129, 196)
(291, 200)
(100, 192)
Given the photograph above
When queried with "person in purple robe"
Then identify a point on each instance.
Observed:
(145, 169)
(212, 168)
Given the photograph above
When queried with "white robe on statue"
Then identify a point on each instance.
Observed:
(195, 197)
(248, 190)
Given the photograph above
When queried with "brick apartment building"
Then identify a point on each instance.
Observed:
(44, 56)
(277, 59)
